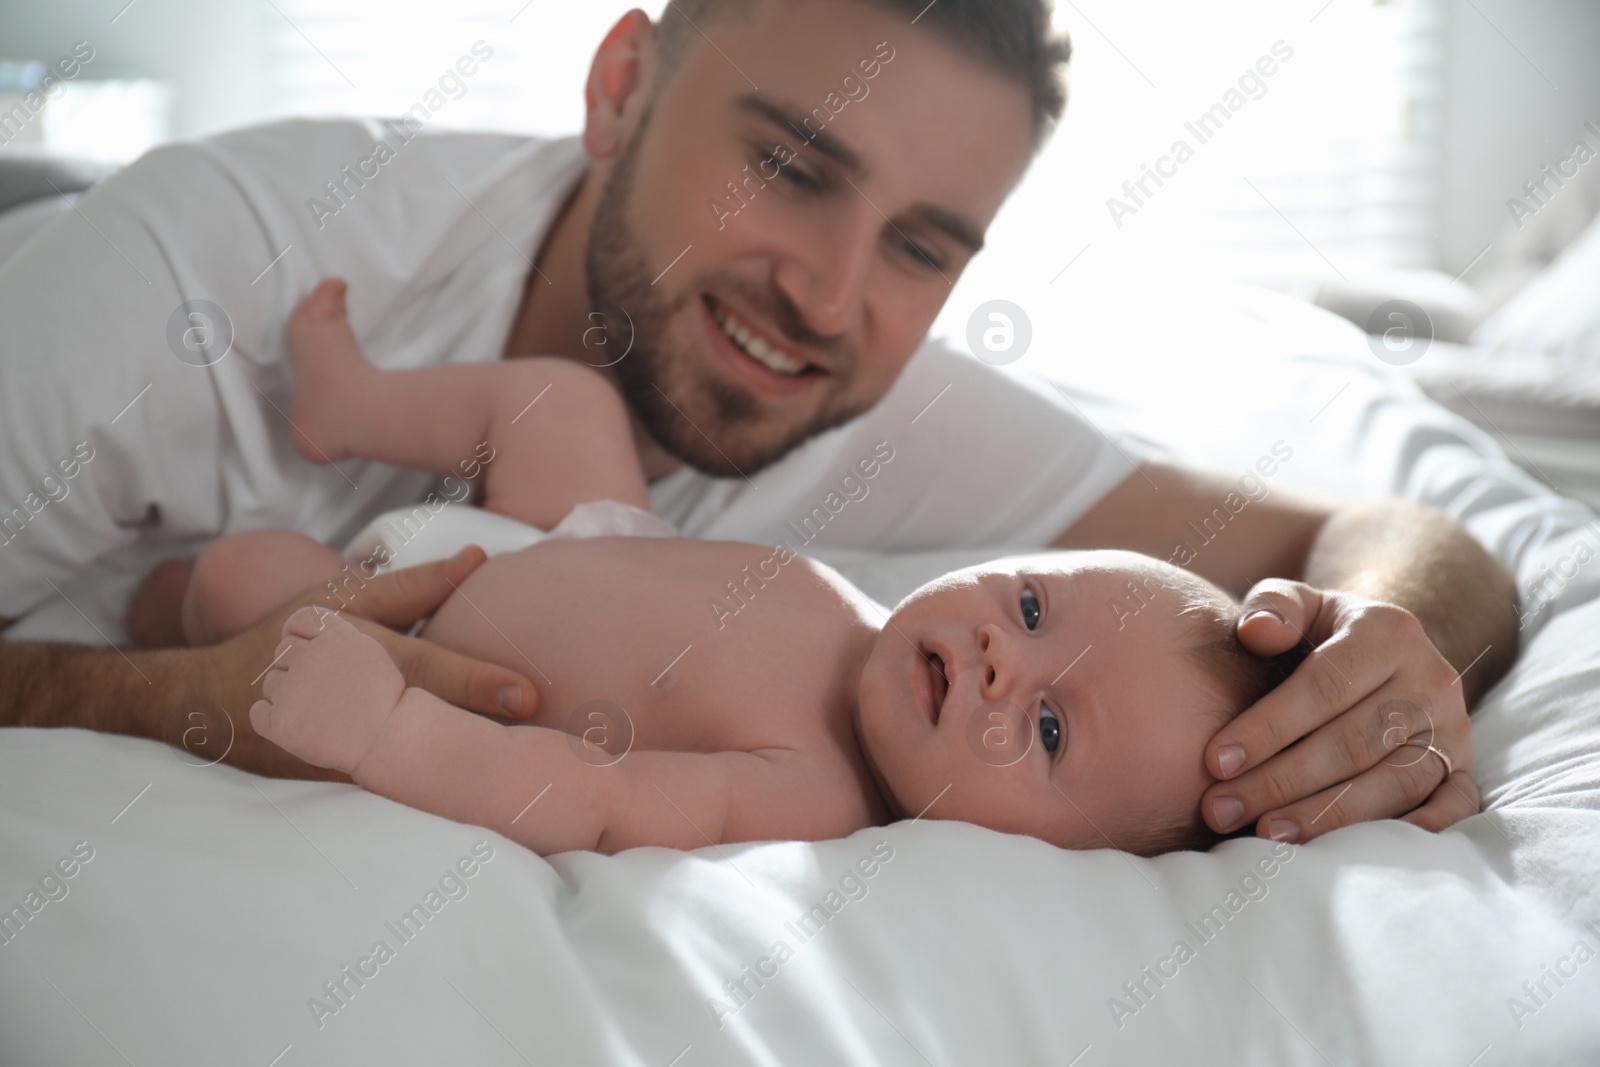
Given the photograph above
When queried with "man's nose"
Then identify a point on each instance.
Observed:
(827, 280)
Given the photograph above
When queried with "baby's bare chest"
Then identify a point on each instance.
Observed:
(668, 644)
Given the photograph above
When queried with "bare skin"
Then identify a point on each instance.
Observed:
(1363, 584)
(826, 274)
(807, 715)
(759, 692)
(551, 435)
(1405, 590)
(214, 692)
(528, 409)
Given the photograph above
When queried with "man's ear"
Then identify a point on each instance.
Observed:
(618, 79)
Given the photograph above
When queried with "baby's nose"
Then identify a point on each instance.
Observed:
(995, 669)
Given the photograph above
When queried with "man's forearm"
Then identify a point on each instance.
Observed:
(168, 695)
(1421, 560)
(54, 685)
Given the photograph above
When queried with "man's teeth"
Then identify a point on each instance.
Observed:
(758, 349)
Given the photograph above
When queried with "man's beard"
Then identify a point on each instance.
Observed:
(704, 421)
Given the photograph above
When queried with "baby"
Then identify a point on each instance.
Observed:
(1065, 695)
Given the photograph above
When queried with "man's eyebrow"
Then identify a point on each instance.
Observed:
(792, 117)
(959, 229)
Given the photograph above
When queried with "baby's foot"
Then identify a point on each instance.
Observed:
(329, 691)
(328, 371)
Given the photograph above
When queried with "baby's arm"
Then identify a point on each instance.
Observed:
(336, 700)
(530, 784)
(557, 431)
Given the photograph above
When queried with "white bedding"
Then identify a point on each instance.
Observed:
(215, 906)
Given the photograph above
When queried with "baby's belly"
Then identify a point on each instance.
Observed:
(627, 628)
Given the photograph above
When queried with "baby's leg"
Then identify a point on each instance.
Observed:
(155, 612)
(559, 432)
(334, 698)
(240, 580)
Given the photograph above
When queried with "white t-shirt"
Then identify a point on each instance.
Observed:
(113, 373)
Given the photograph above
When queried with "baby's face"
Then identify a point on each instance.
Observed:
(1044, 695)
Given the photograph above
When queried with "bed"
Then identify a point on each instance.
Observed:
(213, 916)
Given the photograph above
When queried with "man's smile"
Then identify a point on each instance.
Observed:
(769, 364)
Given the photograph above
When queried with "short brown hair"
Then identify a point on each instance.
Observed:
(1240, 679)
(1014, 37)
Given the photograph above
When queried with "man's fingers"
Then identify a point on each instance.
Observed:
(1277, 614)
(1333, 753)
(1345, 668)
(1385, 791)
(396, 600)
(467, 683)
(1456, 799)
(1376, 733)
(399, 598)
(1333, 678)
(1266, 633)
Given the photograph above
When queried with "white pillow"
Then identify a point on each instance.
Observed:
(23, 221)
(1558, 311)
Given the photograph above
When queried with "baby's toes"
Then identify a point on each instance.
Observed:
(310, 622)
(273, 681)
(261, 718)
(283, 658)
(280, 655)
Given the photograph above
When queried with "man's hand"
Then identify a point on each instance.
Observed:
(232, 672)
(1343, 739)
(1417, 594)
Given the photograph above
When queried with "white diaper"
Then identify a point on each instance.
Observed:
(407, 537)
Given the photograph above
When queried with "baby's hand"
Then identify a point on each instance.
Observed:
(329, 691)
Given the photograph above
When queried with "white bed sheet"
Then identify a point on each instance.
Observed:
(217, 904)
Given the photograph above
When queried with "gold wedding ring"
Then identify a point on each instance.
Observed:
(1449, 768)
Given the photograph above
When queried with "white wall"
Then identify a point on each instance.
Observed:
(1503, 119)
(209, 52)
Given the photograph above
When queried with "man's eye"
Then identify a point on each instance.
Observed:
(800, 179)
(1049, 729)
(917, 254)
(1030, 609)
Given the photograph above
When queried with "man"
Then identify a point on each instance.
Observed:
(772, 202)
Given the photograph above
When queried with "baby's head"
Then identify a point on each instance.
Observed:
(1066, 695)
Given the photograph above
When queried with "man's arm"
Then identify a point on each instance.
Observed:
(199, 699)
(1403, 553)
(1394, 551)
(1399, 602)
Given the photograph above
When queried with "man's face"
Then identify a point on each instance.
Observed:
(797, 302)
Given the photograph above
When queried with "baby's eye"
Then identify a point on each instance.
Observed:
(1030, 609)
(1049, 729)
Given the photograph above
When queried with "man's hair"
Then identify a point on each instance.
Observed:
(1013, 37)
(1239, 678)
